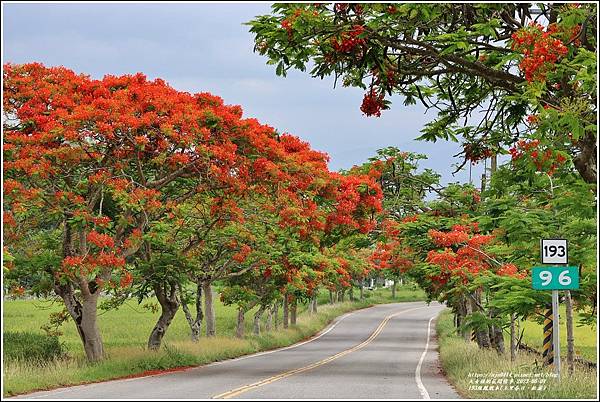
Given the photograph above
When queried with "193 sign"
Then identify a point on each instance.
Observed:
(554, 251)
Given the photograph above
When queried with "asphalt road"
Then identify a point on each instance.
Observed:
(382, 352)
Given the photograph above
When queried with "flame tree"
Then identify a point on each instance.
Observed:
(531, 67)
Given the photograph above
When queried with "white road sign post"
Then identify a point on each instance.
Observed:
(555, 333)
(555, 251)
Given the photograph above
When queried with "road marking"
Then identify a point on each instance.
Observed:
(420, 385)
(268, 352)
(281, 376)
(295, 345)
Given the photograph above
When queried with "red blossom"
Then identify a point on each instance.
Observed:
(349, 41)
(126, 279)
(372, 103)
(541, 50)
(511, 270)
(100, 240)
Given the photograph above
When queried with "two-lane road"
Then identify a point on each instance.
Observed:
(386, 351)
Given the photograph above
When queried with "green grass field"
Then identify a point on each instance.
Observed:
(125, 332)
(460, 359)
(585, 337)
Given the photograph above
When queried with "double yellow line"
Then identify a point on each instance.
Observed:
(245, 388)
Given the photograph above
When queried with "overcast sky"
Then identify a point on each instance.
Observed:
(204, 47)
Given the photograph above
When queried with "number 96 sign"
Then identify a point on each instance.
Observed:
(555, 278)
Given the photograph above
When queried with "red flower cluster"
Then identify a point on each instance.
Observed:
(533, 119)
(126, 279)
(357, 199)
(72, 261)
(477, 152)
(544, 160)
(372, 103)
(100, 240)
(241, 255)
(511, 270)
(447, 239)
(341, 7)
(103, 259)
(411, 218)
(541, 50)
(523, 147)
(467, 260)
(91, 261)
(392, 253)
(348, 41)
(101, 221)
(287, 25)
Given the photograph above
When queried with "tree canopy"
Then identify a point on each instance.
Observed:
(492, 73)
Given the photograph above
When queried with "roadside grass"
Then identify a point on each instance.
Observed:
(585, 337)
(459, 359)
(125, 331)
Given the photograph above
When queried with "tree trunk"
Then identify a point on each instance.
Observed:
(513, 338)
(468, 309)
(483, 338)
(585, 162)
(169, 304)
(239, 331)
(94, 348)
(362, 292)
(209, 309)
(293, 311)
(517, 332)
(84, 313)
(314, 304)
(194, 323)
(394, 289)
(88, 333)
(269, 320)
(493, 164)
(459, 315)
(496, 334)
(276, 315)
(570, 335)
(492, 336)
(257, 316)
(498, 339)
(482, 335)
(331, 301)
(286, 311)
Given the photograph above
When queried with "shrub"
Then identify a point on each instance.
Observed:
(31, 347)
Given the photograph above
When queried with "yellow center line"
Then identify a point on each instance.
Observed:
(281, 376)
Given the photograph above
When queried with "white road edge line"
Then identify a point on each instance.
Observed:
(420, 385)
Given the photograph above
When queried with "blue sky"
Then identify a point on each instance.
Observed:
(204, 47)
